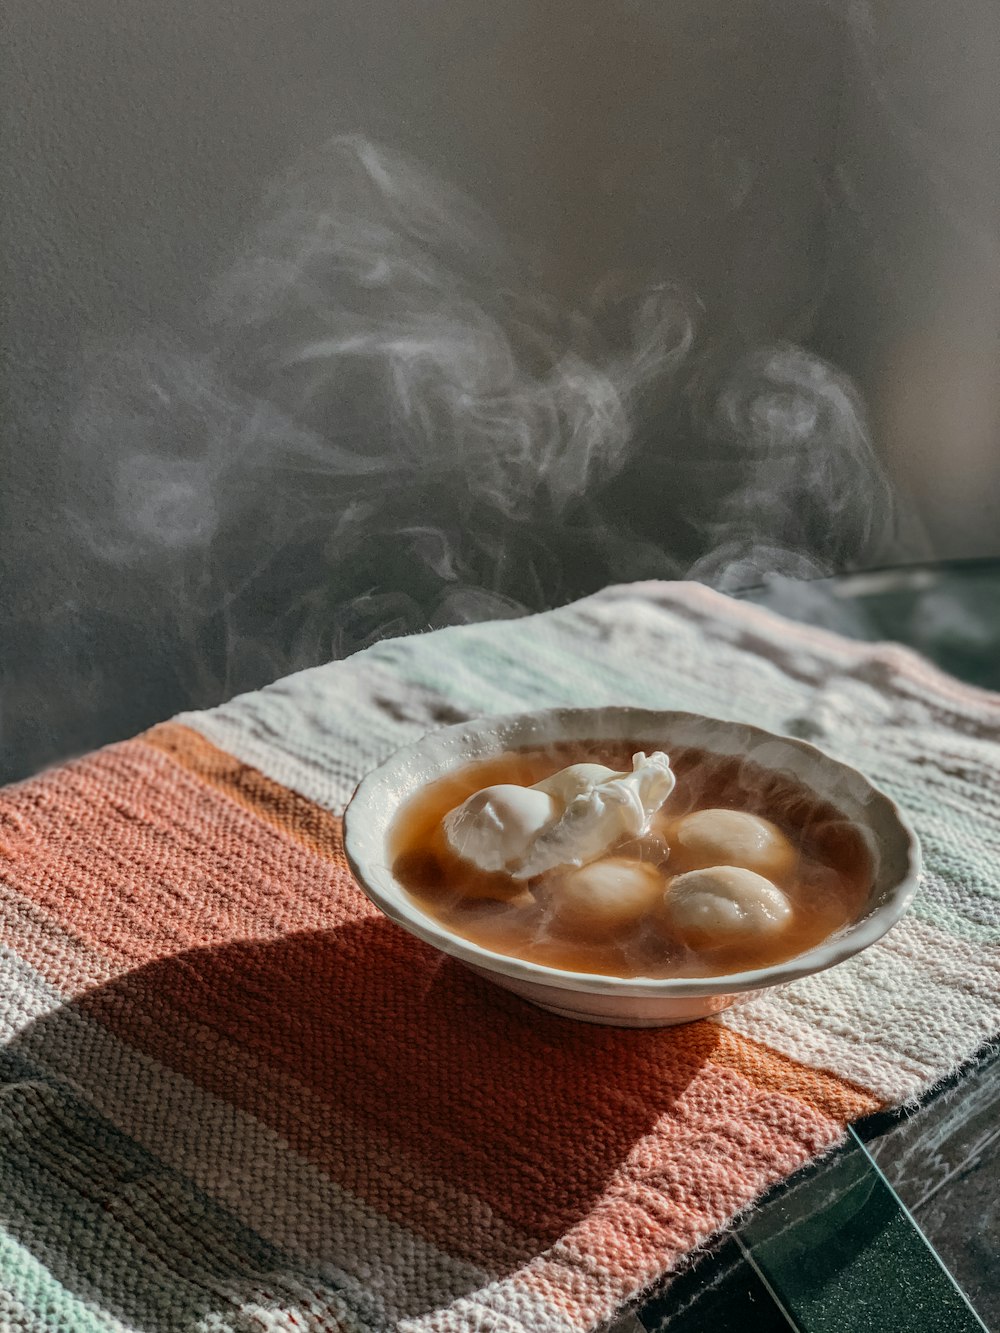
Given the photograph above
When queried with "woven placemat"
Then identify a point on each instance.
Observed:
(235, 1097)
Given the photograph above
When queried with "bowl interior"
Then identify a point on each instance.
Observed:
(890, 839)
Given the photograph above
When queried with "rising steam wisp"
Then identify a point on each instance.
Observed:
(391, 427)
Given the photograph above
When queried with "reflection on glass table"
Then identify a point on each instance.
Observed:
(899, 1230)
(949, 612)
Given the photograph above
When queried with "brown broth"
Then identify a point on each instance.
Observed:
(827, 889)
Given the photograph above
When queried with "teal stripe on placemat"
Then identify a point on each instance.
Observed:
(959, 895)
(495, 668)
(36, 1296)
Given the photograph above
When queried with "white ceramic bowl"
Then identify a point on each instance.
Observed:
(629, 1001)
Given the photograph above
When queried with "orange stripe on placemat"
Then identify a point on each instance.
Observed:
(837, 1097)
(131, 852)
(321, 830)
(287, 810)
(141, 858)
(225, 904)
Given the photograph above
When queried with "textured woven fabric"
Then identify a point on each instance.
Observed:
(234, 1097)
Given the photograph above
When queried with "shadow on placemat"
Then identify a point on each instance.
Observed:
(266, 1120)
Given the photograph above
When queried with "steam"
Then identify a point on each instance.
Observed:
(790, 433)
(390, 426)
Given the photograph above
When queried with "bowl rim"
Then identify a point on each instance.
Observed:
(406, 912)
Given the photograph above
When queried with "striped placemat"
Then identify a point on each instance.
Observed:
(234, 1097)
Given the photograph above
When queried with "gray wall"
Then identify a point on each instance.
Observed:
(689, 137)
(807, 180)
(916, 239)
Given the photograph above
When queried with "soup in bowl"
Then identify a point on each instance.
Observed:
(627, 866)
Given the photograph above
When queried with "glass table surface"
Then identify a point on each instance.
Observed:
(899, 1229)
